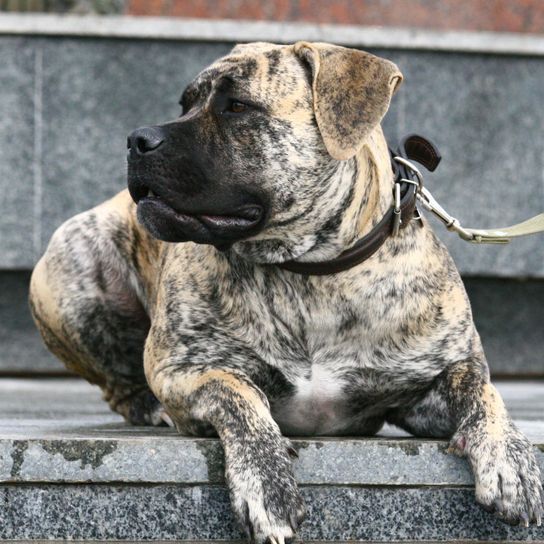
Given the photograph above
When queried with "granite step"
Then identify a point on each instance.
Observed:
(71, 469)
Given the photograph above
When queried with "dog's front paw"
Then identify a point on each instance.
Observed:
(506, 475)
(264, 494)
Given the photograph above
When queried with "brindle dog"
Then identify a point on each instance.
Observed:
(278, 155)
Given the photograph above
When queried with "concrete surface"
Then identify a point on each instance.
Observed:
(69, 468)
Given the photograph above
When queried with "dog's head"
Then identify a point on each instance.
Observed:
(263, 133)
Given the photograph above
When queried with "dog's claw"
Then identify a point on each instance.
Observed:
(166, 418)
(524, 519)
(248, 526)
(292, 452)
(293, 521)
(537, 516)
(458, 445)
(489, 508)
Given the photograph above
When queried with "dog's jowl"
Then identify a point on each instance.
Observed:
(172, 298)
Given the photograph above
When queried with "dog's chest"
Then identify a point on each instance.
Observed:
(317, 405)
(318, 353)
(340, 357)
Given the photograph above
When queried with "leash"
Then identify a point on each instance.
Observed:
(408, 190)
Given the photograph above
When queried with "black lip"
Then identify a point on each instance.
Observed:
(247, 214)
(137, 189)
(243, 216)
(220, 229)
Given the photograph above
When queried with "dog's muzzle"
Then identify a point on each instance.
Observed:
(177, 203)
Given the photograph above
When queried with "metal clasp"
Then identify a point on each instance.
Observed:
(430, 203)
(397, 219)
(470, 235)
(413, 168)
(476, 236)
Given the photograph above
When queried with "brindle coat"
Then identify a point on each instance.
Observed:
(230, 344)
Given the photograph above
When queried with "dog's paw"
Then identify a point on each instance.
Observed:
(140, 407)
(268, 515)
(265, 497)
(507, 477)
(145, 409)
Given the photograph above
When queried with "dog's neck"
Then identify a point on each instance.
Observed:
(374, 190)
(360, 193)
(367, 179)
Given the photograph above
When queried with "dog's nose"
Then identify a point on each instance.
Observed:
(145, 139)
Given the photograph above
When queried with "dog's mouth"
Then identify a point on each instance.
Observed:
(172, 223)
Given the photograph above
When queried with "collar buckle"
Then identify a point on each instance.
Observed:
(397, 212)
(413, 168)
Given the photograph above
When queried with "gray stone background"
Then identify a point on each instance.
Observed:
(67, 104)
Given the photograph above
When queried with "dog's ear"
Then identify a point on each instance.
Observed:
(351, 91)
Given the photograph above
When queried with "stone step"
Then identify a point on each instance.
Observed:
(70, 469)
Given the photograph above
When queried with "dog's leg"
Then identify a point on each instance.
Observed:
(464, 405)
(89, 313)
(263, 491)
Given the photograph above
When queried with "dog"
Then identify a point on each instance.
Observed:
(173, 296)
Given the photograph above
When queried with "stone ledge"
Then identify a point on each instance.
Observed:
(166, 457)
(161, 28)
(66, 434)
(70, 469)
(163, 457)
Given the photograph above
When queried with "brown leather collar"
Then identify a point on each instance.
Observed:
(412, 147)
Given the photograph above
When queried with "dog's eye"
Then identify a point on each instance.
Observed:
(237, 107)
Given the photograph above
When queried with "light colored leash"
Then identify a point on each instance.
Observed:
(476, 236)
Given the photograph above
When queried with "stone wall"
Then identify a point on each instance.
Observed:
(67, 105)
